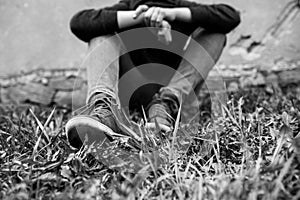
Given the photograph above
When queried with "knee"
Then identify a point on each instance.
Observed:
(213, 43)
(201, 35)
(104, 40)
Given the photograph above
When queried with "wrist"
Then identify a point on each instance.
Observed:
(170, 14)
(180, 14)
(125, 19)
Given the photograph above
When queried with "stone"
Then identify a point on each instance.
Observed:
(271, 78)
(254, 80)
(66, 83)
(31, 92)
(290, 76)
(73, 99)
(215, 83)
(233, 86)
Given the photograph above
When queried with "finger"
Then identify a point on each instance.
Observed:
(159, 20)
(140, 10)
(165, 24)
(169, 36)
(154, 16)
(147, 16)
(164, 33)
(165, 36)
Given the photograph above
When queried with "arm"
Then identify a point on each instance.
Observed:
(125, 19)
(154, 16)
(217, 18)
(90, 23)
(181, 14)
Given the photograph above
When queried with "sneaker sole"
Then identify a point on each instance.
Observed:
(105, 151)
(85, 127)
(152, 125)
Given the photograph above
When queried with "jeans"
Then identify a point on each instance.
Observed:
(104, 64)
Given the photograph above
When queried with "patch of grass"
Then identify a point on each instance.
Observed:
(252, 151)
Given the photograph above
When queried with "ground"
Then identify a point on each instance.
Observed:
(251, 151)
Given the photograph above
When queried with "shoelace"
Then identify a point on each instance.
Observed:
(161, 110)
(164, 106)
(102, 107)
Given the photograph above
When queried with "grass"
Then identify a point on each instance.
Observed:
(252, 151)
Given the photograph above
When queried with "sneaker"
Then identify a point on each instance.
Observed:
(163, 109)
(97, 125)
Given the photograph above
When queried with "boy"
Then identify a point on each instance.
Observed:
(205, 24)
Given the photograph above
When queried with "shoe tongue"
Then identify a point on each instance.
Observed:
(102, 103)
(102, 99)
(169, 96)
(102, 109)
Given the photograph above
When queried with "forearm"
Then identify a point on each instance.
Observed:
(126, 20)
(88, 24)
(216, 17)
(179, 14)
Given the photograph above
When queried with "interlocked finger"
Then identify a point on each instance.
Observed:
(148, 15)
(140, 10)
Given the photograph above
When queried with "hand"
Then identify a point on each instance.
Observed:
(154, 16)
(141, 9)
(157, 19)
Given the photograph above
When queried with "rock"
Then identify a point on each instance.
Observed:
(291, 76)
(271, 78)
(254, 80)
(73, 99)
(215, 84)
(66, 83)
(32, 92)
(233, 86)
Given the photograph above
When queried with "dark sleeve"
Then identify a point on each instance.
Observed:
(88, 24)
(217, 18)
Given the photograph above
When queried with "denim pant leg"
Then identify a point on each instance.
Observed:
(106, 61)
(102, 66)
(201, 54)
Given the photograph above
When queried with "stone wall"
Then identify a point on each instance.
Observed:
(66, 88)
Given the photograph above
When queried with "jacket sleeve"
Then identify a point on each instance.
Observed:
(90, 23)
(217, 18)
